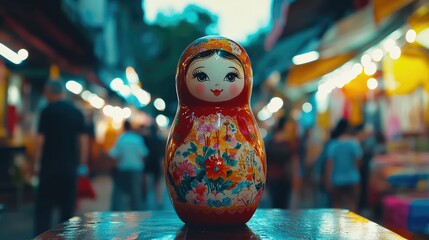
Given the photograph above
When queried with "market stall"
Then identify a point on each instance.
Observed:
(375, 73)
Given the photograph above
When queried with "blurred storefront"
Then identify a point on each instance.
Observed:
(372, 68)
(366, 61)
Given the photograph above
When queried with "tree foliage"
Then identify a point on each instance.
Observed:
(161, 46)
(158, 49)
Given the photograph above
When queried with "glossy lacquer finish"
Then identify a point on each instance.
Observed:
(265, 224)
(215, 166)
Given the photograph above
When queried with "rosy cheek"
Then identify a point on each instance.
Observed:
(234, 90)
(200, 88)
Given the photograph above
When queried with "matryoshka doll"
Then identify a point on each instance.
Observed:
(215, 166)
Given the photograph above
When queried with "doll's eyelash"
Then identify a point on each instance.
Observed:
(237, 73)
(200, 75)
(196, 73)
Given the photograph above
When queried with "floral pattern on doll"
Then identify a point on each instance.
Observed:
(204, 44)
(215, 166)
(235, 49)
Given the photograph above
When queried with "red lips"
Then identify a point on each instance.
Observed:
(216, 92)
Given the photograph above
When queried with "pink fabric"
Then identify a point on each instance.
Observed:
(396, 211)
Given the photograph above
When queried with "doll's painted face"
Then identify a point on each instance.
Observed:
(215, 78)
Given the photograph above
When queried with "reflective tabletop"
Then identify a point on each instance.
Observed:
(265, 224)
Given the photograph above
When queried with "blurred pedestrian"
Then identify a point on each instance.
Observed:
(282, 165)
(128, 152)
(61, 146)
(372, 144)
(322, 199)
(154, 162)
(342, 168)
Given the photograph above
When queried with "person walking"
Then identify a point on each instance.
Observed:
(153, 164)
(61, 146)
(344, 160)
(320, 177)
(283, 178)
(128, 152)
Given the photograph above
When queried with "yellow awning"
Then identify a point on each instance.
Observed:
(306, 73)
(419, 22)
(404, 75)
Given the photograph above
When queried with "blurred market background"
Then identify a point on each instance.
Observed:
(314, 62)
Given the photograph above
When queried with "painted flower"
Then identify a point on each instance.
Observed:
(215, 146)
(200, 189)
(205, 128)
(245, 196)
(182, 168)
(216, 196)
(233, 142)
(215, 168)
(249, 174)
(201, 139)
(235, 48)
(195, 198)
(232, 154)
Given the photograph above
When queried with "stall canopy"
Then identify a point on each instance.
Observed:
(347, 39)
(46, 31)
(411, 70)
(298, 28)
(307, 73)
(385, 8)
(406, 74)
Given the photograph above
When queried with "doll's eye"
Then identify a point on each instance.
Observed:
(200, 76)
(230, 77)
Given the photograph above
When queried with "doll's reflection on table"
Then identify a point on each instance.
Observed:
(216, 232)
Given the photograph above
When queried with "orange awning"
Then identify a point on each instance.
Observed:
(419, 20)
(357, 88)
(385, 8)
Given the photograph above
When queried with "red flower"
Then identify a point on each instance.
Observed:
(215, 168)
(200, 189)
(249, 175)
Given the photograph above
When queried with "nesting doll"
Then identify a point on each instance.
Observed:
(215, 165)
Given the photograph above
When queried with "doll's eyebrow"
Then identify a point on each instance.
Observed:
(234, 68)
(199, 67)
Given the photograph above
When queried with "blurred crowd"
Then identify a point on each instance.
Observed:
(305, 169)
(332, 174)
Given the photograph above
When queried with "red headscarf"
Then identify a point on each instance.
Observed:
(213, 43)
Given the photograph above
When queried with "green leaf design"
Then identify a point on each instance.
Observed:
(184, 188)
(228, 160)
(181, 195)
(193, 147)
(186, 154)
(238, 146)
(210, 151)
(225, 185)
(259, 186)
(200, 175)
(200, 161)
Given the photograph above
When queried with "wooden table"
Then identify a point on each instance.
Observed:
(265, 224)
